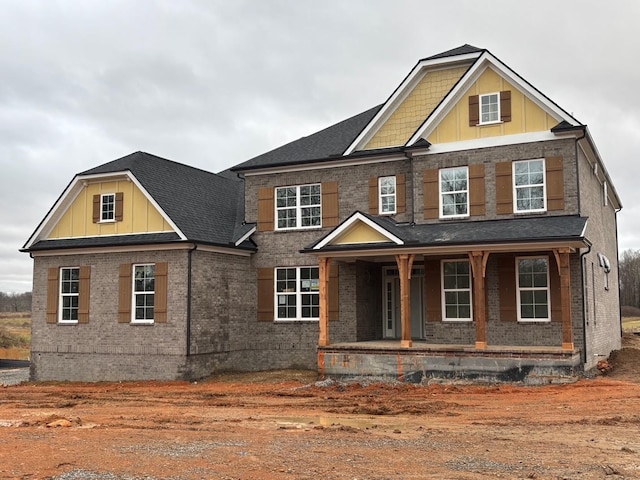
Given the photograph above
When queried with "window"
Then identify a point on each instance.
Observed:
(456, 290)
(298, 207)
(297, 293)
(144, 277)
(69, 294)
(108, 207)
(529, 186)
(454, 192)
(387, 189)
(533, 289)
(490, 108)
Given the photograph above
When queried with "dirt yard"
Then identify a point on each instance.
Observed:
(281, 425)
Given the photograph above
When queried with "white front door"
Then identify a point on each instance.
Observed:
(391, 304)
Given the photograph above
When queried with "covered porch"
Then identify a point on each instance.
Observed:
(483, 347)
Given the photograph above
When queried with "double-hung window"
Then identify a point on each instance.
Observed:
(108, 207)
(144, 293)
(533, 289)
(298, 207)
(69, 294)
(454, 192)
(297, 293)
(387, 197)
(529, 186)
(456, 290)
(489, 108)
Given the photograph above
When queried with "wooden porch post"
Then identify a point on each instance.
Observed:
(478, 262)
(564, 269)
(405, 264)
(323, 271)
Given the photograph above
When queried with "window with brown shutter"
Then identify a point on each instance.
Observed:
(119, 208)
(96, 208)
(505, 106)
(433, 297)
(124, 296)
(507, 288)
(373, 196)
(334, 293)
(431, 193)
(266, 208)
(554, 290)
(84, 293)
(330, 214)
(161, 291)
(476, 189)
(555, 183)
(401, 193)
(504, 188)
(52, 295)
(265, 295)
(474, 110)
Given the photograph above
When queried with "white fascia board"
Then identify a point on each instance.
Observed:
(325, 164)
(485, 61)
(245, 236)
(400, 94)
(358, 217)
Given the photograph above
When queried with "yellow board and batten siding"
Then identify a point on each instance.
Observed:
(139, 215)
(418, 105)
(526, 116)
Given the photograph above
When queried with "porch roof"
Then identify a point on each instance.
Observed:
(568, 230)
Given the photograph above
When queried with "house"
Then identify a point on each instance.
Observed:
(466, 227)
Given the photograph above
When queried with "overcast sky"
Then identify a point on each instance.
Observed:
(214, 83)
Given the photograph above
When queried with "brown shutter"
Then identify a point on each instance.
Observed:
(334, 293)
(474, 110)
(84, 294)
(329, 204)
(265, 295)
(52, 295)
(265, 209)
(433, 290)
(554, 290)
(555, 183)
(119, 206)
(161, 290)
(373, 195)
(504, 188)
(505, 106)
(507, 289)
(431, 192)
(401, 193)
(125, 292)
(96, 208)
(476, 189)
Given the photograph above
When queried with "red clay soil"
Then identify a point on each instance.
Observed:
(282, 424)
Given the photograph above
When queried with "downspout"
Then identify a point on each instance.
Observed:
(191, 250)
(583, 254)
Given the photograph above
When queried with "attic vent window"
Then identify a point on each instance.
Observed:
(489, 108)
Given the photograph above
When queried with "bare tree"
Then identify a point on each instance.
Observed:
(629, 267)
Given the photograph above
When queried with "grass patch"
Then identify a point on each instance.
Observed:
(631, 324)
(15, 336)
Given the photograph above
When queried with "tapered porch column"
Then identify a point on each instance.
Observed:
(405, 264)
(564, 270)
(323, 273)
(478, 267)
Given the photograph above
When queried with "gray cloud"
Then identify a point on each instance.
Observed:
(213, 83)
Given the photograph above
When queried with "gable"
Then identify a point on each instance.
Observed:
(139, 215)
(359, 233)
(416, 107)
(526, 115)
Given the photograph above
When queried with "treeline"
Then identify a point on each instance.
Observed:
(630, 278)
(15, 302)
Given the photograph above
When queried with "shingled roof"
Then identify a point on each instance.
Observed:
(206, 208)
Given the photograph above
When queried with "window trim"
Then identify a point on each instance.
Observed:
(491, 122)
(547, 289)
(62, 295)
(394, 195)
(440, 193)
(113, 211)
(298, 294)
(443, 292)
(298, 208)
(134, 320)
(515, 188)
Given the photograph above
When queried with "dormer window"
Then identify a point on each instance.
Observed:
(489, 108)
(108, 207)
